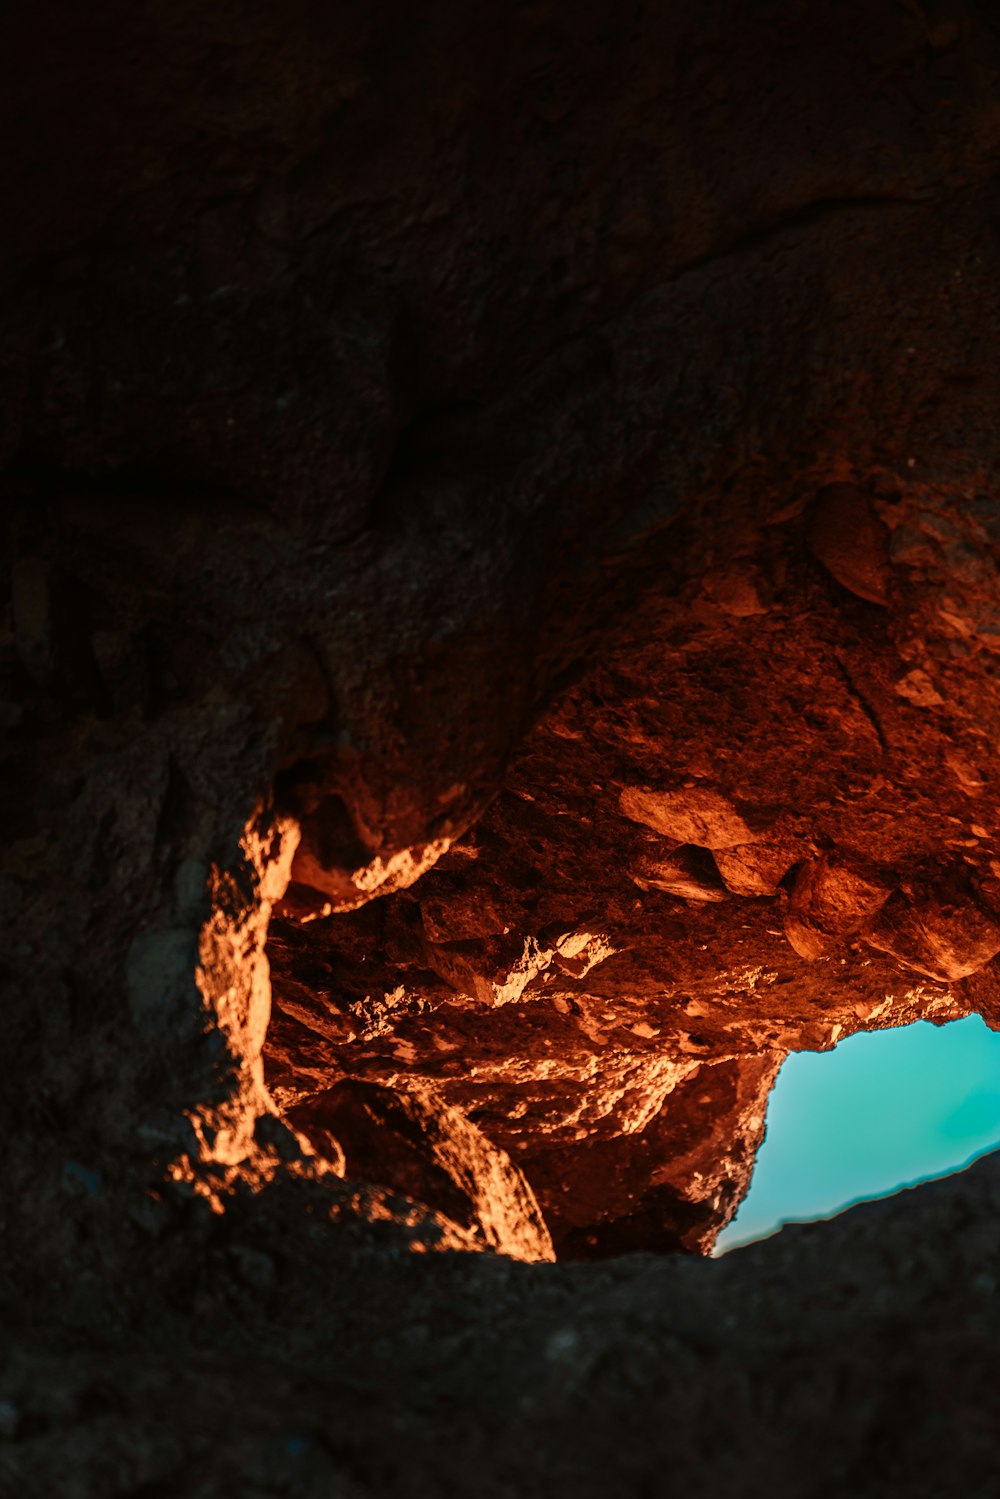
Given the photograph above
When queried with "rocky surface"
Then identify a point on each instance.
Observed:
(433, 1154)
(738, 835)
(853, 1357)
(539, 469)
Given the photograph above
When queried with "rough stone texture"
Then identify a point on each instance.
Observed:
(410, 1141)
(732, 838)
(854, 1357)
(544, 461)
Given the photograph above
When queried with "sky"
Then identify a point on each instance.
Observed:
(880, 1111)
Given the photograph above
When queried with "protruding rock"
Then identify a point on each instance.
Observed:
(495, 970)
(348, 888)
(940, 931)
(830, 900)
(687, 872)
(756, 868)
(413, 1142)
(338, 866)
(846, 535)
(690, 814)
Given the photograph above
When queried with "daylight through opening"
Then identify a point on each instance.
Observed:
(882, 1111)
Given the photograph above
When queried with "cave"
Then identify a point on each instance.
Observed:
(502, 565)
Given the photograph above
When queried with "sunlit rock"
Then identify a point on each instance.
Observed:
(409, 1140)
(829, 901)
(698, 815)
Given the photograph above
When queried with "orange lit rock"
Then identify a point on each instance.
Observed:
(409, 1140)
(687, 872)
(848, 538)
(726, 809)
(348, 888)
(829, 901)
(941, 930)
(698, 815)
(756, 868)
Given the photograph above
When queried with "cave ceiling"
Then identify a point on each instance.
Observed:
(761, 822)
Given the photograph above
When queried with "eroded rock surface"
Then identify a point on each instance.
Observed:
(410, 1141)
(733, 838)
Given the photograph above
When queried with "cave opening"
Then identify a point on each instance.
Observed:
(551, 1007)
(882, 1111)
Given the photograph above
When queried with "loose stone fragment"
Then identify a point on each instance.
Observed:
(682, 873)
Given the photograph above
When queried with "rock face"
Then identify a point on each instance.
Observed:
(500, 646)
(732, 838)
(432, 1153)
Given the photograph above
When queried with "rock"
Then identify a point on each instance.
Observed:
(830, 901)
(577, 952)
(495, 970)
(410, 1141)
(918, 689)
(274, 1134)
(191, 889)
(846, 535)
(756, 868)
(160, 976)
(428, 403)
(692, 814)
(939, 930)
(687, 872)
(348, 887)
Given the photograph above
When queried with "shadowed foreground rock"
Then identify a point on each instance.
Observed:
(502, 534)
(853, 1357)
